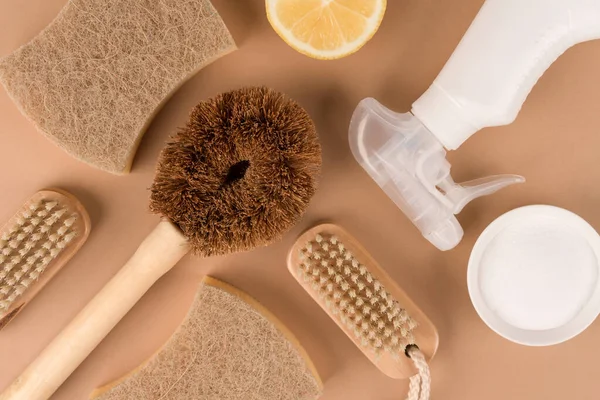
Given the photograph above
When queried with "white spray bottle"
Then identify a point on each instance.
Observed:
(507, 48)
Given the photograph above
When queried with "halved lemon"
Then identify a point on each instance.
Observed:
(325, 29)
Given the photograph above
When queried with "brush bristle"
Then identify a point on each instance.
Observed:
(354, 296)
(40, 233)
(241, 173)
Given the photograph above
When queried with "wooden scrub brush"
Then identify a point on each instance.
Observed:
(378, 316)
(35, 244)
(240, 174)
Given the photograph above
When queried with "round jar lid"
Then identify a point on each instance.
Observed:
(533, 275)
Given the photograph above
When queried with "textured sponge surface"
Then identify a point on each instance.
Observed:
(228, 348)
(95, 77)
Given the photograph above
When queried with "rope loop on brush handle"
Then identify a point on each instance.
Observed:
(420, 384)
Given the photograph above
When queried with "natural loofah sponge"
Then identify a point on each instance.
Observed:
(95, 77)
(229, 348)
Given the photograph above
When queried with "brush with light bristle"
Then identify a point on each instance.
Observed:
(367, 305)
(35, 244)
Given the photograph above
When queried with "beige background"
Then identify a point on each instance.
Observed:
(554, 143)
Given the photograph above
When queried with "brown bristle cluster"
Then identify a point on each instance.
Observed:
(355, 297)
(240, 173)
(40, 233)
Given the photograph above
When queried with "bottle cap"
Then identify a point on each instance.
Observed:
(444, 117)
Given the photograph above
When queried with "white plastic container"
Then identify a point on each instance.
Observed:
(485, 82)
(507, 48)
(534, 275)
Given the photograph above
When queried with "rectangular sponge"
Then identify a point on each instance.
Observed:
(95, 77)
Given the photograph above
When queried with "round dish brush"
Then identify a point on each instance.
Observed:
(239, 175)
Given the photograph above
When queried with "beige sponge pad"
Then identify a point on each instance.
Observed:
(95, 77)
(228, 348)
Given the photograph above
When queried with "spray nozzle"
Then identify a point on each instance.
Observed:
(409, 164)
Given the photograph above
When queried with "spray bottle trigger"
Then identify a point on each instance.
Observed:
(409, 164)
(461, 194)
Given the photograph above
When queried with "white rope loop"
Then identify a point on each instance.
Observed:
(420, 384)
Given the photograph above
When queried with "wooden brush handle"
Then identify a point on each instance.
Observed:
(157, 254)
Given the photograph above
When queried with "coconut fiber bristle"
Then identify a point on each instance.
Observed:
(240, 173)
